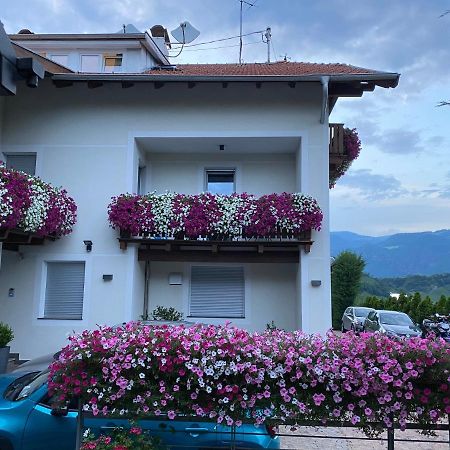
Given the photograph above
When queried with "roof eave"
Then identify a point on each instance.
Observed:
(383, 79)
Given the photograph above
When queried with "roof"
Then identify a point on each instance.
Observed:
(49, 65)
(263, 69)
(74, 37)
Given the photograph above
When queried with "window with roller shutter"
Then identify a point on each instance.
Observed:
(64, 290)
(217, 292)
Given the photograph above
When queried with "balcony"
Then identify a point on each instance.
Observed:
(208, 227)
(32, 211)
(344, 148)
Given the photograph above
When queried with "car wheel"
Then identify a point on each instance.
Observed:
(343, 328)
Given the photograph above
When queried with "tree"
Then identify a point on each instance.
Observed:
(414, 303)
(345, 282)
(424, 310)
(441, 305)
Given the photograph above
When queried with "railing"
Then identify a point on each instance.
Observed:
(336, 139)
(282, 437)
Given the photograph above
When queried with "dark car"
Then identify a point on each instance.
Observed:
(354, 317)
(27, 422)
(391, 323)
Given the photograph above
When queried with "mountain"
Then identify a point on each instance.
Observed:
(398, 255)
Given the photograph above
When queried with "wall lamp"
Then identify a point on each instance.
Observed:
(88, 245)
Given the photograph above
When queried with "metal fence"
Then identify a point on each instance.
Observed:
(235, 438)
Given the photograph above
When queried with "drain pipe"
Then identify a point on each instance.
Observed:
(324, 81)
(146, 284)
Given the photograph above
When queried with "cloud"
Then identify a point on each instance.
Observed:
(371, 186)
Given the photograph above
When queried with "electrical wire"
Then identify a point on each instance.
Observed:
(223, 46)
(221, 40)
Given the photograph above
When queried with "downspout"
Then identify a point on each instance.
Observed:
(146, 284)
(324, 81)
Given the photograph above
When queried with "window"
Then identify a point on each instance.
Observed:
(90, 63)
(60, 59)
(112, 63)
(220, 181)
(26, 162)
(141, 181)
(64, 290)
(217, 292)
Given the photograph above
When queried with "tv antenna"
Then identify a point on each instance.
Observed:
(184, 34)
(240, 26)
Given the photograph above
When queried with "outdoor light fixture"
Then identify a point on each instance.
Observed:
(316, 283)
(88, 245)
(107, 277)
(222, 147)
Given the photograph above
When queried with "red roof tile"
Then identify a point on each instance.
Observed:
(262, 69)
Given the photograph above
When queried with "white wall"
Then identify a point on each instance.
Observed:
(270, 293)
(255, 173)
(85, 141)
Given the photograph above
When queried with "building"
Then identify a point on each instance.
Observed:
(256, 128)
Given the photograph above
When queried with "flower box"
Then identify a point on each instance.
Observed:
(214, 217)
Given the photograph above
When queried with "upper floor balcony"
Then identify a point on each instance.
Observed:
(232, 227)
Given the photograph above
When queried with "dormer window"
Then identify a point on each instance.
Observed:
(112, 62)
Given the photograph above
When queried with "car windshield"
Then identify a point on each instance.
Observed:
(395, 319)
(24, 386)
(362, 312)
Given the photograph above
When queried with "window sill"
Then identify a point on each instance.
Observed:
(60, 318)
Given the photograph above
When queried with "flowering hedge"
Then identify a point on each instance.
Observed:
(352, 148)
(214, 216)
(228, 375)
(30, 205)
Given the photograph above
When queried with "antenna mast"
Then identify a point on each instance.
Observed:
(240, 34)
(268, 36)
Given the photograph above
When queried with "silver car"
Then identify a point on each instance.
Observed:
(354, 317)
(391, 323)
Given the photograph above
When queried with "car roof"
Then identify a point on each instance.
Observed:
(389, 311)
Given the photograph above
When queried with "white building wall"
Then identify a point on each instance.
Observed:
(85, 141)
(270, 293)
(276, 170)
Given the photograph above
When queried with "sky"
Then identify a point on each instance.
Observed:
(401, 181)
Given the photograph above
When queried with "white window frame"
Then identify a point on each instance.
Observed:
(241, 321)
(113, 55)
(208, 170)
(21, 153)
(41, 285)
(100, 62)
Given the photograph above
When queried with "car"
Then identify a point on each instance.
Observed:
(391, 323)
(28, 422)
(353, 318)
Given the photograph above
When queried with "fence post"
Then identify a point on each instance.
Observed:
(233, 437)
(80, 425)
(390, 438)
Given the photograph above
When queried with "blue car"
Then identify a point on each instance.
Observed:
(27, 423)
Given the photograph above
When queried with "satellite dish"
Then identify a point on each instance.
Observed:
(185, 33)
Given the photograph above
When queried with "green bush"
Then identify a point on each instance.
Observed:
(6, 334)
(170, 314)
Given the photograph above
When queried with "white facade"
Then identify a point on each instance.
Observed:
(113, 53)
(92, 142)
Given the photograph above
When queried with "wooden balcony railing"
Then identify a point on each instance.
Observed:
(337, 153)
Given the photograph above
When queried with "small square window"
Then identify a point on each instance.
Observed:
(25, 162)
(112, 63)
(220, 181)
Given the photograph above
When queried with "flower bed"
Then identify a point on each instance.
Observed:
(229, 375)
(214, 216)
(352, 148)
(30, 205)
